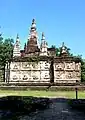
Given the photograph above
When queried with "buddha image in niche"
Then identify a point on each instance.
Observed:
(25, 77)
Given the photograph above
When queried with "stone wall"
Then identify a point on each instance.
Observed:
(67, 71)
(46, 70)
(30, 71)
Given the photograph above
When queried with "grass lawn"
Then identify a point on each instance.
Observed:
(63, 94)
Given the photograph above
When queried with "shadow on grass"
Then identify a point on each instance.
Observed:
(13, 106)
(21, 105)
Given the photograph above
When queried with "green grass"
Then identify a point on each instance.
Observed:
(36, 93)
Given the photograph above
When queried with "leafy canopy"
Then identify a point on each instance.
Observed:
(6, 50)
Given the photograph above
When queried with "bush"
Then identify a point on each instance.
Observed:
(23, 103)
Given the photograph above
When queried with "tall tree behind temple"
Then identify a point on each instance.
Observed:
(6, 53)
(1, 49)
(82, 70)
(6, 50)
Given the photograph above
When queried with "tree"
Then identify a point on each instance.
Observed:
(57, 50)
(6, 50)
(6, 53)
(53, 46)
(82, 70)
(1, 49)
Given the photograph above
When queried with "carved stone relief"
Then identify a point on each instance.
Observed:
(65, 75)
(26, 65)
(64, 66)
(69, 66)
(25, 77)
(44, 65)
(58, 74)
(69, 75)
(78, 66)
(47, 65)
(35, 66)
(35, 75)
(78, 75)
(59, 66)
(40, 71)
(15, 77)
(45, 74)
(15, 67)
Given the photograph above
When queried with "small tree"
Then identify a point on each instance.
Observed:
(6, 52)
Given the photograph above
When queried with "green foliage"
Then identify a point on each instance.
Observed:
(53, 46)
(57, 51)
(83, 70)
(6, 50)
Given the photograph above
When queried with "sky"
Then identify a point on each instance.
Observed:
(60, 20)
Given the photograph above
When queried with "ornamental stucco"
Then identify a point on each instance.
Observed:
(41, 71)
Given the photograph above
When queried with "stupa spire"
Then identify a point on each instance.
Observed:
(33, 32)
(32, 43)
(43, 46)
(17, 38)
(33, 25)
(43, 36)
(16, 50)
(63, 50)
